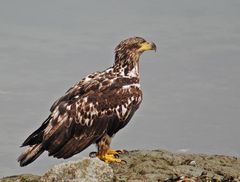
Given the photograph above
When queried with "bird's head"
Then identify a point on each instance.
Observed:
(131, 49)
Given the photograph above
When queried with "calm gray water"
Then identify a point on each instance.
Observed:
(191, 84)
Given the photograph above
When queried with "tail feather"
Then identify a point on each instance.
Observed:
(29, 155)
(36, 136)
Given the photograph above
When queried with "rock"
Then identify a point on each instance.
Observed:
(84, 170)
(21, 178)
(144, 165)
(160, 165)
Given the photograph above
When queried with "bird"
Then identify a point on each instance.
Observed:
(93, 110)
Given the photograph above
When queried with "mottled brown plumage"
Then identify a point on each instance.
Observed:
(93, 110)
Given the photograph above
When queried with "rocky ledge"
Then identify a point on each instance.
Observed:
(155, 165)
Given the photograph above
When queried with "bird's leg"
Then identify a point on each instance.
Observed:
(105, 153)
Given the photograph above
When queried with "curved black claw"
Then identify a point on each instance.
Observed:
(122, 151)
(93, 154)
(116, 155)
(123, 161)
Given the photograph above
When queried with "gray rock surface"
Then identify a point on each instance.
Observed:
(155, 165)
(161, 165)
(84, 170)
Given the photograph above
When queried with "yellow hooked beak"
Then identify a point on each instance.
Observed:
(147, 46)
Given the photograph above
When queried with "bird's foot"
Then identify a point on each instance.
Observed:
(109, 156)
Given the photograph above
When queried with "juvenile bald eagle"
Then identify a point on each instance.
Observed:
(93, 110)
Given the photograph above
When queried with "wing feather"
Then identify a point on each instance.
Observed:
(79, 142)
(82, 137)
(75, 127)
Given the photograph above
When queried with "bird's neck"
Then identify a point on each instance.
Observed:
(127, 64)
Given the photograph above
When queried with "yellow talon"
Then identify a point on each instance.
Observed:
(114, 152)
(110, 156)
(109, 159)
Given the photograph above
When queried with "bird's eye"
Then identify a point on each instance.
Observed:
(135, 46)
